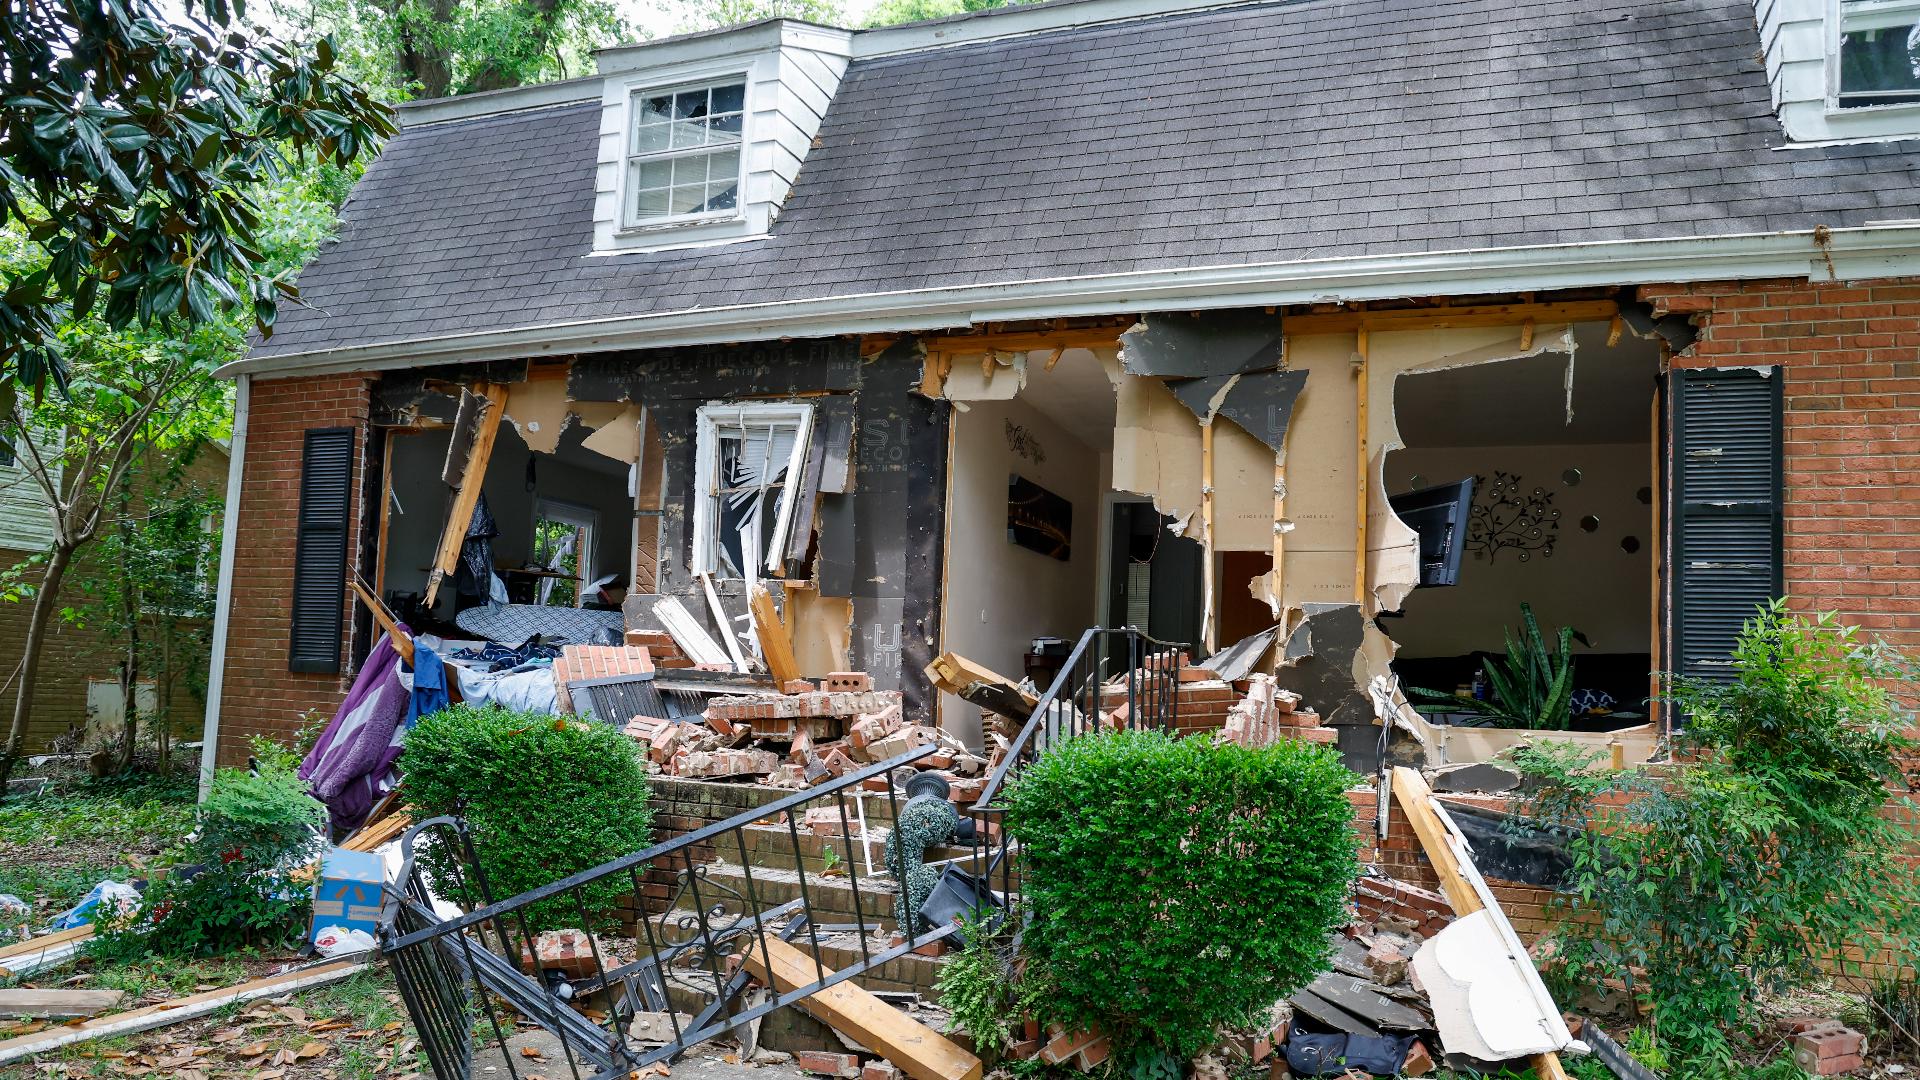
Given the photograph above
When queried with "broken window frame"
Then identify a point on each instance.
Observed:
(711, 422)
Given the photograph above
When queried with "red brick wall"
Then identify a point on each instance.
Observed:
(261, 696)
(1850, 353)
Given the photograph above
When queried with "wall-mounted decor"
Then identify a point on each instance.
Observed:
(1508, 516)
(1038, 519)
(1022, 441)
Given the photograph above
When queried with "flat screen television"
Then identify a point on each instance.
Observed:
(1439, 515)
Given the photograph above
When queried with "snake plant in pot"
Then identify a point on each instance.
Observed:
(1531, 687)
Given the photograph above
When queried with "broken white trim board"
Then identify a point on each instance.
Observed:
(687, 632)
(720, 620)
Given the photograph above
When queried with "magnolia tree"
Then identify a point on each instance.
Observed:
(143, 231)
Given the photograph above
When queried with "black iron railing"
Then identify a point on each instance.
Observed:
(471, 973)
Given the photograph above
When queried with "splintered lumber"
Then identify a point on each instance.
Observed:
(955, 674)
(372, 836)
(687, 632)
(23, 958)
(180, 1009)
(402, 642)
(447, 557)
(1416, 800)
(915, 1048)
(775, 646)
(59, 1004)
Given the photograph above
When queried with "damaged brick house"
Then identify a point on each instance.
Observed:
(1368, 319)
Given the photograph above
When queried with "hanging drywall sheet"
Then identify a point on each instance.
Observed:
(538, 409)
(984, 377)
(1320, 458)
(822, 632)
(1202, 396)
(1209, 343)
(1156, 450)
(1262, 402)
(618, 438)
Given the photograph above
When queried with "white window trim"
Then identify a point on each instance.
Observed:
(705, 482)
(580, 517)
(636, 88)
(1866, 121)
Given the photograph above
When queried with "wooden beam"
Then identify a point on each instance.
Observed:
(955, 674)
(1208, 622)
(775, 646)
(402, 643)
(1082, 337)
(1346, 322)
(447, 557)
(918, 1050)
(1365, 469)
(58, 1004)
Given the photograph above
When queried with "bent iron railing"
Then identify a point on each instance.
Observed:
(1116, 678)
(471, 975)
(469, 972)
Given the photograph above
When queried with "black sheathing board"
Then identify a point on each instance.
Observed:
(1196, 346)
(431, 393)
(900, 506)
(767, 370)
(1317, 663)
(1260, 402)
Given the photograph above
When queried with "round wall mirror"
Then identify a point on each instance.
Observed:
(1571, 478)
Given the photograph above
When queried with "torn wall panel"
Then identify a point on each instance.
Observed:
(822, 631)
(538, 410)
(984, 376)
(1156, 450)
(1190, 346)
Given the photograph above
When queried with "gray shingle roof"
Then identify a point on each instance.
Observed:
(1250, 134)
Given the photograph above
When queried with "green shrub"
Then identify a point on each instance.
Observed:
(544, 797)
(977, 986)
(1178, 885)
(1755, 863)
(258, 833)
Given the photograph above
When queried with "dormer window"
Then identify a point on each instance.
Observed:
(1878, 60)
(683, 153)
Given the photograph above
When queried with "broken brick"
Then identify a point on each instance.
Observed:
(823, 1063)
(1419, 1060)
(881, 1070)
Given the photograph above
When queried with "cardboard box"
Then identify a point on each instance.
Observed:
(349, 894)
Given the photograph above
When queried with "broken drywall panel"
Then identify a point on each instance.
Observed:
(1321, 454)
(538, 410)
(822, 632)
(1262, 402)
(760, 370)
(618, 438)
(1202, 396)
(993, 376)
(1242, 491)
(1320, 660)
(1156, 450)
(1209, 343)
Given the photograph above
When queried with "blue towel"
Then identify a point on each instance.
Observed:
(429, 685)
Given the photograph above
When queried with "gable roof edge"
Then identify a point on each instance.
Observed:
(1890, 250)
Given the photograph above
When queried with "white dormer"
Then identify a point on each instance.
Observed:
(1843, 70)
(701, 136)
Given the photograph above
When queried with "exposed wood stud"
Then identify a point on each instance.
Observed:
(1054, 357)
(461, 516)
(1526, 335)
(1208, 628)
(1614, 327)
(1362, 469)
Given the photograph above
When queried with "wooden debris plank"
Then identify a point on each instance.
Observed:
(920, 1051)
(687, 632)
(45, 941)
(955, 674)
(58, 1004)
(178, 1010)
(775, 646)
(461, 516)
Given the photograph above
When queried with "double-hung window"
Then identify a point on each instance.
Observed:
(683, 153)
(749, 462)
(1877, 59)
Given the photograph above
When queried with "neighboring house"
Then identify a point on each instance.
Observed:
(79, 701)
(1191, 316)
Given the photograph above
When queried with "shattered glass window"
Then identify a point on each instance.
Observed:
(750, 477)
(683, 153)
(1879, 53)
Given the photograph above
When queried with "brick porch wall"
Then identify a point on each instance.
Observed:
(261, 696)
(1850, 353)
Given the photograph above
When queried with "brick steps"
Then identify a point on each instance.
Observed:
(772, 846)
(831, 897)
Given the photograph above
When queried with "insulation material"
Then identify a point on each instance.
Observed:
(822, 631)
(617, 437)
(538, 411)
(1156, 451)
(985, 376)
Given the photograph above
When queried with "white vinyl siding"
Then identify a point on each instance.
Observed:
(1802, 42)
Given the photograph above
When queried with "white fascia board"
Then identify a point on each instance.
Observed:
(413, 114)
(1840, 254)
(719, 45)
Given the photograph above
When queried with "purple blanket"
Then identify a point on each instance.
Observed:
(352, 764)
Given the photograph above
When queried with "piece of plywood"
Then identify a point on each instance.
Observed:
(775, 646)
(59, 1004)
(822, 631)
(918, 1050)
(454, 534)
(1156, 450)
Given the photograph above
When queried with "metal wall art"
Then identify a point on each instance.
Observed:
(1509, 516)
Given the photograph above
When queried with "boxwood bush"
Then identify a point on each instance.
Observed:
(545, 797)
(1180, 885)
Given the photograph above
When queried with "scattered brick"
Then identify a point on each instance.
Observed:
(881, 1070)
(1419, 1060)
(850, 681)
(823, 1063)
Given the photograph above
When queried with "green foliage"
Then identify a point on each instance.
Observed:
(1532, 685)
(977, 986)
(544, 798)
(1763, 854)
(893, 12)
(259, 831)
(135, 148)
(1178, 885)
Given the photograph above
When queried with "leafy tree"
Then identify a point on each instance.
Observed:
(711, 14)
(893, 12)
(1764, 854)
(133, 150)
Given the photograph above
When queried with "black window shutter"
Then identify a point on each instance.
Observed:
(320, 557)
(1727, 503)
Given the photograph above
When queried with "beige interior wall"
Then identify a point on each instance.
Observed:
(1589, 583)
(1000, 595)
